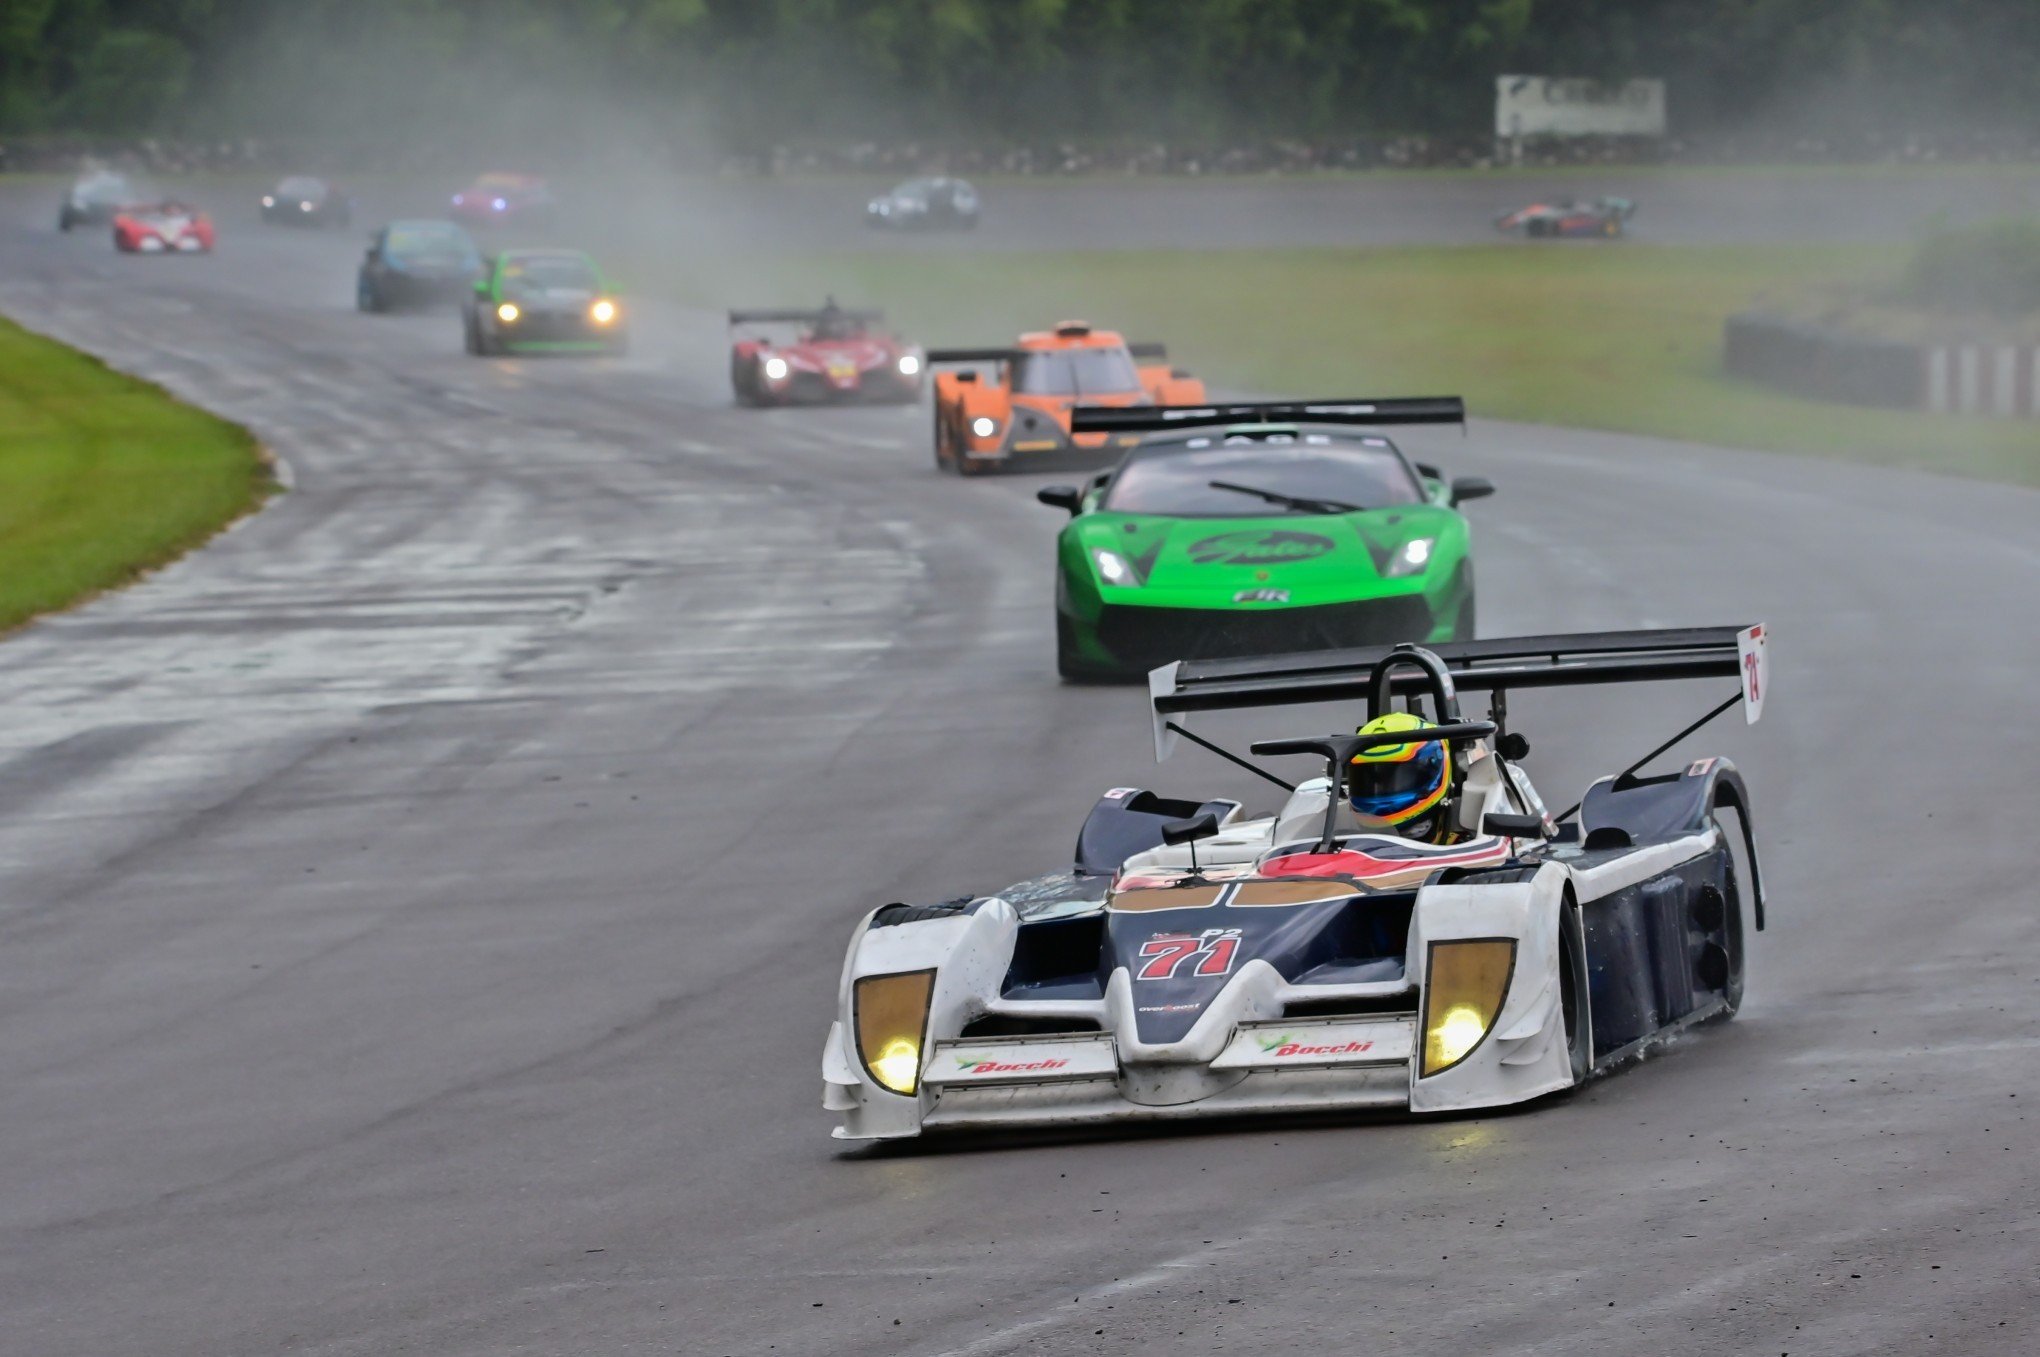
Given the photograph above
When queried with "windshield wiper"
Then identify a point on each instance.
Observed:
(1305, 503)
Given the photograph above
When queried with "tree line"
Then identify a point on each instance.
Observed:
(751, 71)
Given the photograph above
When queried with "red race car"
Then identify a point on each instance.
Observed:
(162, 228)
(499, 199)
(832, 355)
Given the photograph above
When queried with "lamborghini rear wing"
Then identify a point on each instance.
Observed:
(1568, 660)
(1398, 410)
(800, 317)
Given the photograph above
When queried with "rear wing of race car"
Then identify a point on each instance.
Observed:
(795, 316)
(1495, 666)
(972, 356)
(1152, 352)
(1373, 413)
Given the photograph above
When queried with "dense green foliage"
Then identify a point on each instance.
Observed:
(1019, 69)
(102, 476)
(1993, 266)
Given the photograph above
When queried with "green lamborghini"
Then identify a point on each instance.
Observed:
(1254, 529)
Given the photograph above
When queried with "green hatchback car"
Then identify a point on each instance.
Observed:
(1248, 538)
(544, 301)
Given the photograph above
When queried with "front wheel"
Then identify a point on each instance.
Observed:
(1572, 996)
(366, 299)
(476, 343)
(943, 462)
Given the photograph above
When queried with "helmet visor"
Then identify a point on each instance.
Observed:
(1385, 788)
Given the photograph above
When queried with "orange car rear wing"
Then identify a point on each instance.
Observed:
(1373, 413)
(973, 356)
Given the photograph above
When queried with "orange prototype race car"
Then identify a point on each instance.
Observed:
(1012, 408)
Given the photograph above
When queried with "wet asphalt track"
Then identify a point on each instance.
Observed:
(420, 911)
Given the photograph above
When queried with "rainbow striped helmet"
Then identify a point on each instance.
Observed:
(1391, 785)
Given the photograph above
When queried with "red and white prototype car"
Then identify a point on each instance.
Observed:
(831, 354)
(162, 228)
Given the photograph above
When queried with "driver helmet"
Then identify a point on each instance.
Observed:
(1400, 788)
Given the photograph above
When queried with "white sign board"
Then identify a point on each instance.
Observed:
(1547, 106)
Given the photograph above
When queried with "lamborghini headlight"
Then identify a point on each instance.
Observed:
(1114, 568)
(891, 1013)
(1412, 557)
(776, 369)
(602, 312)
(1465, 983)
(508, 313)
(910, 365)
(984, 426)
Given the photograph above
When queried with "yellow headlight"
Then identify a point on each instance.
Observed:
(892, 1020)
(603, 311)
(1464, 985)
(508, 312)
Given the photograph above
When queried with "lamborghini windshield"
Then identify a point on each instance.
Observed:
(1267, 476)
(1075, 372)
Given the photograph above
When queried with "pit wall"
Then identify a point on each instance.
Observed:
(1952, 378)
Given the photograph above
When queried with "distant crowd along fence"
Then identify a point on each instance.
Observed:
(1945, 378)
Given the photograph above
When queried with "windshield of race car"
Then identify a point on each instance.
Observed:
(550, 273)
(301, 188)
(1177, 481)
(1075, 372)
(440, 241)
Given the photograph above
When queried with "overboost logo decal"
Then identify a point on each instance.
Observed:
(1259, 546)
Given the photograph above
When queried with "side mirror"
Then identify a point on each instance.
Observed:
(481, 287)
(1189, 831)
(1513, 826)
(1471, 487)
(1061, 497)
(1430, 472)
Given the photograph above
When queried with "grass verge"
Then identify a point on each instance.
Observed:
(1623, 337)
(103, 476)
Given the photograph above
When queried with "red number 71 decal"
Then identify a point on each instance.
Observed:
(1165, 954)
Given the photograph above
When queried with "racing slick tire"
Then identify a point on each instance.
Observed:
(943, 462)
(1731, 959)
(1463, 625)
(1572, 994)
(65, 219)
(1069, 664)
(743, 383)
(477, 343)
(366, 299)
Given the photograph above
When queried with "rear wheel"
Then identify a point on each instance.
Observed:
(1721, 961)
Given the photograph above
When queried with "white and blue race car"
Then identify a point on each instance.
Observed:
(1195, 961)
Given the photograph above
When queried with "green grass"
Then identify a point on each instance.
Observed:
(1623, 337)
(103, 476)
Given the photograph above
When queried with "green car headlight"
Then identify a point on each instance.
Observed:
(1412, 557)
(1114, 568)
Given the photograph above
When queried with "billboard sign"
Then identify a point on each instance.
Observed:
(1549, 106)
